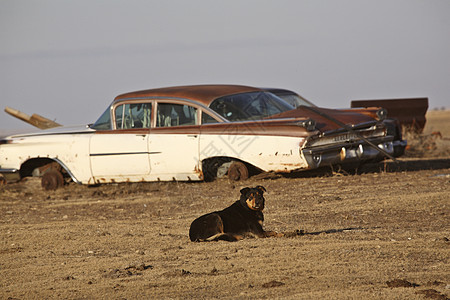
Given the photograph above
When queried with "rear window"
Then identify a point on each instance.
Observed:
(249, 106)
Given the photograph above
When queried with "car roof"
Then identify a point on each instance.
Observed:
(204, 94)
(280, 91)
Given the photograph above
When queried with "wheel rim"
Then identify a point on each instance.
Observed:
(237, 171)
(51, 180)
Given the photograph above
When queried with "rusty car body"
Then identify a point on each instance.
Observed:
(413, 117)
(196, 133)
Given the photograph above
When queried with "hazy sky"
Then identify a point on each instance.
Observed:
(67, 60)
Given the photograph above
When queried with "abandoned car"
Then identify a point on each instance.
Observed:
(391, 121)
(196, 133)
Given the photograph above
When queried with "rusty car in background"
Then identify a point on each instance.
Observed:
(410, 112)
(197, 133)
(395, 118)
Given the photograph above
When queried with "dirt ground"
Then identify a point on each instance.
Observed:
(380, 234)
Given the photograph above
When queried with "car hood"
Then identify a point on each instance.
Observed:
(56, 130)
(324, 124)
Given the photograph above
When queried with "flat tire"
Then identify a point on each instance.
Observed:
(52, 180)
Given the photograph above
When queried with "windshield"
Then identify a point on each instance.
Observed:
(104, 122)
(249, 106)
(295, 100)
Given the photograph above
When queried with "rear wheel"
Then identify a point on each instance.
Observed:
(52, 180)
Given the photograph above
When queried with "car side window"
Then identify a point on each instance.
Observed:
(169, 114)
(207, 119)
(133, 115)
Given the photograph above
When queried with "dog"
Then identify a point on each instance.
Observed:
(243, 218)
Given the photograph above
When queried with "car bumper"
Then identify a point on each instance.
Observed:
(10, 175)
(347, 153)
(399, 147)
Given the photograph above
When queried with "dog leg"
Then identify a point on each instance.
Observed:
(206, 227)
(229, 237)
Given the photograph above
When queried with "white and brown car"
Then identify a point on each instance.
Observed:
(196, 133)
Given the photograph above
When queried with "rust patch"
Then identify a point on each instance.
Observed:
(199, 172)
(204, 94)
(47, 167)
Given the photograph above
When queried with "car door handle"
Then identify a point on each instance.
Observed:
(192, 135)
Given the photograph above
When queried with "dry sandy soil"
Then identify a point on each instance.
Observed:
(380, 234)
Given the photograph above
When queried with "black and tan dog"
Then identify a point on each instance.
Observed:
(243, 218)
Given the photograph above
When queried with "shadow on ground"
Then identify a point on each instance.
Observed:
(389, 166)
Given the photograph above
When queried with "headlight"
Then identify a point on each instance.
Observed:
(381, 114)
(309, 124)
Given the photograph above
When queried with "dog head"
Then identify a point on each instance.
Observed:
(253, 197)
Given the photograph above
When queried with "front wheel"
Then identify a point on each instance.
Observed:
(52, 180)
(237, 171)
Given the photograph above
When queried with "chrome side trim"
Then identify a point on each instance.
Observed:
(10, 175)
(67, 170)
(8, 171)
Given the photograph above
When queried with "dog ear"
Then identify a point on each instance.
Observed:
(245, 190)
(261, 188)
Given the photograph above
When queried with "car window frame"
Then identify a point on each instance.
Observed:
(242, 113)
(173, 102)
(128, 101)
(213, 116)
(201, 109)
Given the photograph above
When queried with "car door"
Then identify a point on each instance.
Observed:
(174, 142)
(122, 154)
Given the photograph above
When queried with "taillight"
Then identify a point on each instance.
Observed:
(4, 141)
